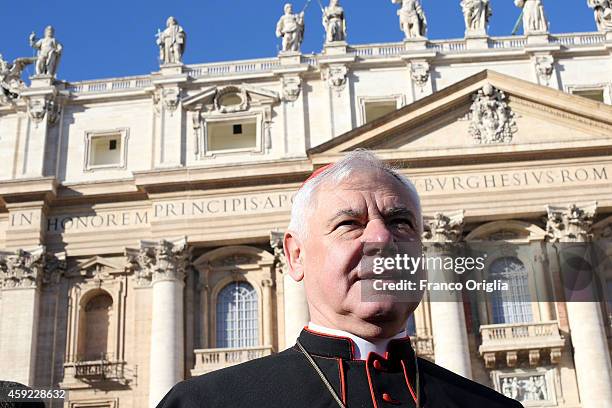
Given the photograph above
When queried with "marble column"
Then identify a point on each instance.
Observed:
(295, 306)
(20, 279)
(587, 328)
(163, 263)
(447, 317)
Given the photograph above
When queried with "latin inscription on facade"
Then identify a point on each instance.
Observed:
(175, 209)
(497, 180)
(248, 204)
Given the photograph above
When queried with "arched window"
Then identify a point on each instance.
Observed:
(237, 316)
(513, 305)
(96, 328)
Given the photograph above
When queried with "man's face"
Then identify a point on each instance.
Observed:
(369, 207)
(288, 9)
(48, 32)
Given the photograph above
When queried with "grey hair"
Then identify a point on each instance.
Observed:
(356, 160)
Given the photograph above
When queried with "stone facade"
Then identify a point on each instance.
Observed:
(127, 205)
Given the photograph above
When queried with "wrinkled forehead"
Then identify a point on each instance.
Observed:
(360, 182)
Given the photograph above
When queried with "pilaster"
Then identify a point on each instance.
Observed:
(169, 133)
(43, 106)
(293, 105)
(335, 71)
(21, 273)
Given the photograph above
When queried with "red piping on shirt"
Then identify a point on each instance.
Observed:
(370, 380)
(334, 336)
(342, 383)
(408, 382)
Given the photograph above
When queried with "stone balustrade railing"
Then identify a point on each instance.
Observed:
(364, 52)
(228, 68)
(423, 346)
(500, 337)
(207, 360)
(109, 85)
(102, 370)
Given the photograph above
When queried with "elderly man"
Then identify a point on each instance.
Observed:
(352, 353)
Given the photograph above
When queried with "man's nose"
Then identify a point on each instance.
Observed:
(376, 237)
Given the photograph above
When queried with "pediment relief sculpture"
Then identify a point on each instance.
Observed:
(492, 119)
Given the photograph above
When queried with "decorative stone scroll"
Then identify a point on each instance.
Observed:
(419, 72)
(544, 68)
(292, 86)
(158, 260)
(335, 76)
(168, 98)
(38, 108)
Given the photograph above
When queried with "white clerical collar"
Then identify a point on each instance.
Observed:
(362, 346)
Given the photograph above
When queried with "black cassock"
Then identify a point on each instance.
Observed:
(288, 380)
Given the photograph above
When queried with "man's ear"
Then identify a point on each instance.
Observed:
(292, 247)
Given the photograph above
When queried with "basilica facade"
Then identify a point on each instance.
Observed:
(141, 218)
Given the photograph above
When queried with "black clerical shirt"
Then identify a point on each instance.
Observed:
(287, 380)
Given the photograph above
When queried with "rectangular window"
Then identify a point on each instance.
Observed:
(593, 94)
(105, 150)
(375, 110)
(232, 135)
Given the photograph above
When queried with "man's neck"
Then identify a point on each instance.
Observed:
(362, 346)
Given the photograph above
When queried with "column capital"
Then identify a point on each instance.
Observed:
(159, 260)
(570, 224)
(444, 227)
(21, 268)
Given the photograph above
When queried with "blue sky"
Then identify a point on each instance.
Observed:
(113, 38)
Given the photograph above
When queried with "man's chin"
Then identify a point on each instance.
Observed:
(379, 312)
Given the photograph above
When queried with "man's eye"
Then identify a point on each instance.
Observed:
(402, 223)
(347, 223)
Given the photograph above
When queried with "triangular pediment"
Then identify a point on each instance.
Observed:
(96, 266)
(484, 115)
(212, 96)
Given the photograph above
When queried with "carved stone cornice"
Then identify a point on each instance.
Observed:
(22, 269)
(159, 260)
(444, 228)
(276, 242)
(570, 224)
